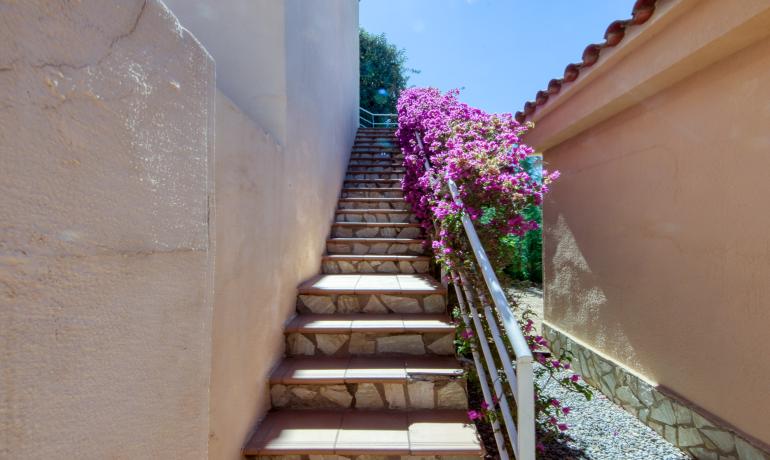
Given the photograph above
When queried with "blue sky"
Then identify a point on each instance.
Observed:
(501, 51)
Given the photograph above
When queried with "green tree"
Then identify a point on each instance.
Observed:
(383, 73)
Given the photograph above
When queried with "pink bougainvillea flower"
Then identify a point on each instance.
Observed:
(474, 415)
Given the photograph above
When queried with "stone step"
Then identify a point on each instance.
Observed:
(368, 334)
(372, 192)
(359, 435)
(373, 175)
(367, 383)
(376, 162)
(372, 183)
(408, 246)
(375, 215)
(376, 146)
(376, 230)
(377, 154)
(371, 293)
(374, 263)
(377, 157)
(373, 152)
(372, 203)
(354, 169)
(386, 165)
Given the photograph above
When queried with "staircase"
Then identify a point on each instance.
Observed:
(370, 371)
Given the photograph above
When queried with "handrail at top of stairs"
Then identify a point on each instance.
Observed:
(367, 119)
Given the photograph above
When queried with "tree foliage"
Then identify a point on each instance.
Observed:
(383, 73)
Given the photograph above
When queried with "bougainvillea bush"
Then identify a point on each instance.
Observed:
(484, 156)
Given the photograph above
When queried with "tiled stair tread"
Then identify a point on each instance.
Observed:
(372, 211)
(379, 189)
(377, 199)
(375, 224)
(371, 284)
(370, 181)
(386, 168)
(325, 432)
(363, 369)
(360, 322)
(378, 257)
(376, 240)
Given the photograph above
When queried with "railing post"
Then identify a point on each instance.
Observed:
(525, 387)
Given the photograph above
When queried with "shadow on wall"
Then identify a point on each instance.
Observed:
(574, 296)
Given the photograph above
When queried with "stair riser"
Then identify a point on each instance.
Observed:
(352, 169)
(369, 266)
(372, 193)
(366, 344)
(376, 217)
(373, 175)
(341, 231)
(375, 149)
(371, 303)
(388, 183)
(412, 249)
(437, 393)
(375, 162)
(373, 204)
(371, 154)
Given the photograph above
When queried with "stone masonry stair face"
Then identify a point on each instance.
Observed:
(370, 334)
(395, 383)
(376, 230)
(372, 183)
(373, 203)
(405, 246)
(370, 370)
(372, 192)
(375, 215)
(374, 263)
(373, 294)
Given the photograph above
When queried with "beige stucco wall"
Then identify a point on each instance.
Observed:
(275, 203)
(247, 40)
(656, 235)
(106, 114)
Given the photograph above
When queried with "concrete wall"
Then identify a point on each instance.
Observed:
(247, 40)
(106, 114)
(275, 197)
(656, 235)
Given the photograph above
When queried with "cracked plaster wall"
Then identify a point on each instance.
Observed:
(106, 118)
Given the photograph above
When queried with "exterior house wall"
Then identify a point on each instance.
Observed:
(247, 40)
(106, 117)
(656, 248)
(278, 177)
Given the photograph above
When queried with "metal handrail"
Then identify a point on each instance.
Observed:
(521, 380)
(371, 121)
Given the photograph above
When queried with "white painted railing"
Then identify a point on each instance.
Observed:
(367, 119)
(519, 380)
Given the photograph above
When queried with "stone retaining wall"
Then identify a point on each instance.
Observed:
(683, 425)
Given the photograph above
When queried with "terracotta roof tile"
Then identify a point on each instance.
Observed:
(616, 31)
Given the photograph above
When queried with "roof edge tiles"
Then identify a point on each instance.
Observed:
(616, 31)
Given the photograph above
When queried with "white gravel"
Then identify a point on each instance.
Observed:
(600, 430)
